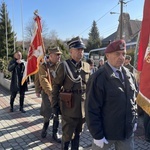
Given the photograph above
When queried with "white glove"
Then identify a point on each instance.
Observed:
(135, 127)
(101, 142)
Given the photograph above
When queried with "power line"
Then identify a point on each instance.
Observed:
(105, 15)
(128, 1)
(99, 19)
(109, 30)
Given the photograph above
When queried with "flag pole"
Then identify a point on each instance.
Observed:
(37, 15)
(137, 73)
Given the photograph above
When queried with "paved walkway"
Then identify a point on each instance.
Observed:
(21, 131)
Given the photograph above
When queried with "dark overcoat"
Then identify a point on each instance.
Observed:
(111, 110)
(16, 78)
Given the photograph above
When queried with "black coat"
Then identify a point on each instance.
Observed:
(17, 74)
(110, 107)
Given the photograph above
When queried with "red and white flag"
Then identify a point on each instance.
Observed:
(143, 66)
(36, 51)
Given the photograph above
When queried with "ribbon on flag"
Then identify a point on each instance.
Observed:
(36, 51)
(143, 64)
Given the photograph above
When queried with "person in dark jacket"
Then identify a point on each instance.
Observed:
(111, 110)
(16, 66)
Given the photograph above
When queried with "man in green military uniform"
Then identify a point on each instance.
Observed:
(71, 78)
(43, 85)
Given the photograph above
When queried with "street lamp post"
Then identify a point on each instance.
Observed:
(120, 23)
(113, 13)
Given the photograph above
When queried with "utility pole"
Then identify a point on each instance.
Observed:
(121, 18)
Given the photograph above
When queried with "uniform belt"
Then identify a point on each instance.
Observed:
(78, 91)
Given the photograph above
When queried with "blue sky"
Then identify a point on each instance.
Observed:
(72, 17)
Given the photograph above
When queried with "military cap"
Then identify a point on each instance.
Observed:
(76, 43)
(55, 50)
(128, 57)
(116, 46)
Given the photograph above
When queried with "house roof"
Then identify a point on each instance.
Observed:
(111, 37)
(131, 32)
(135, 26)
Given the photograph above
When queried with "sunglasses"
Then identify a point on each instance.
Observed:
(58, 54)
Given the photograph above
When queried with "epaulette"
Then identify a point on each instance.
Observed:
(86, 66)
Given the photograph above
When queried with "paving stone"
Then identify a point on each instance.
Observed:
(19, 140)
(1, 148)
(19, 131)
(14, 144)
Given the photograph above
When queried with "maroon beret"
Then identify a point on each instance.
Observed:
(116, 46)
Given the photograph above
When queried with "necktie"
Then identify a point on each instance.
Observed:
(120, 75)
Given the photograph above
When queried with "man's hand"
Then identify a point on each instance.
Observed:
(19, 61)
(38, 94)
(101, 142)
(55, 111)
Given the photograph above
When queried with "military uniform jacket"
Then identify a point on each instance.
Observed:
(65, 82)
(37, 83)
(45, 70)
(111, 111)
(42, 85)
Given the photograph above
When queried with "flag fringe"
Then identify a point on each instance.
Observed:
(143, 102)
